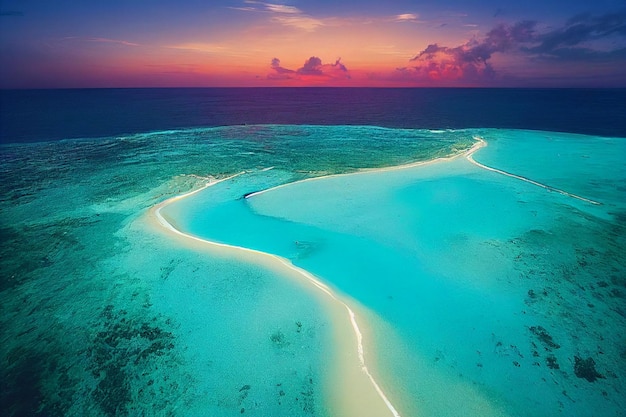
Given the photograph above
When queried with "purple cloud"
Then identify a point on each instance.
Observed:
(474, 54)
(100, 40)
(569, 41)
(276, 67)
(470, 62)
(313, 67)
(280, 73)
(339, 65)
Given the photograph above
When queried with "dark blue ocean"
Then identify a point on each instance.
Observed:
(43, 115)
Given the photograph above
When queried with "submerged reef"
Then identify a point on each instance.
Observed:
(544, 337)
(82, 336)
(124, 367)
(119, 350)
(586, 368)
(575, 288)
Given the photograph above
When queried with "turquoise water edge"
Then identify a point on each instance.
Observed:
(486, 294)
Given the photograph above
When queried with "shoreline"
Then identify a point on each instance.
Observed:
(476, 146)
(470, 158)
(359, 394)
(352, 389)
(356, 403)
(468, 154)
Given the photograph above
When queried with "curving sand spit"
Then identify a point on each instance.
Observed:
(470, 157)
(352, 389)
(479, 144)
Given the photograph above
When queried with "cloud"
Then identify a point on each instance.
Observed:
(312, 68)
(577, 31)
(280, 73)
(100, 40)
(106, 40)
(295, 17)
(406, 17)
(339, 65)
(208, 48)
(301, 22)
(283, 14)
(281, 8)
(471, 61)
(244, 9)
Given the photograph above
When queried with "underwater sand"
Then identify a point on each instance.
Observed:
(456, 262)
(476, 293)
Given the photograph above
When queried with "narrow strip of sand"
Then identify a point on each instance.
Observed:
(468, 154)
(470, 157)
(352, 389)
(473, 149)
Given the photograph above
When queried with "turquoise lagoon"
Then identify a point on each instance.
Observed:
(485, 294)
(496, 290)
(101, 315)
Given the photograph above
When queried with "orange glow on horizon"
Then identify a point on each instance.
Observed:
(262, 44)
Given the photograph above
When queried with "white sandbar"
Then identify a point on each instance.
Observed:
(353, 389)
(470, 157)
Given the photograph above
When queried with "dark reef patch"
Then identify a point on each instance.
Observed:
(279, 339)
(20, 385)
(586, 368)
(34, 381)
(122, 351)
(551, 362)
(544, 337)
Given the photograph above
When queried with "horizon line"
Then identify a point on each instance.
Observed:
(317, 87)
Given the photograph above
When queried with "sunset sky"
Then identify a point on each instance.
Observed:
(392, 43)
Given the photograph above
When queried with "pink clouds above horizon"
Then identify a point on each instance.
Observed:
(259, 43)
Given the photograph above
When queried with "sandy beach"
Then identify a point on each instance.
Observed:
(352, 378)
(467, 153)
(350, 387)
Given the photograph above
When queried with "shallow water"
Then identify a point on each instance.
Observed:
(500, 297)
(483, 275)
(103, 316)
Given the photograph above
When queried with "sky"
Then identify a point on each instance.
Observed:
(369, 43)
